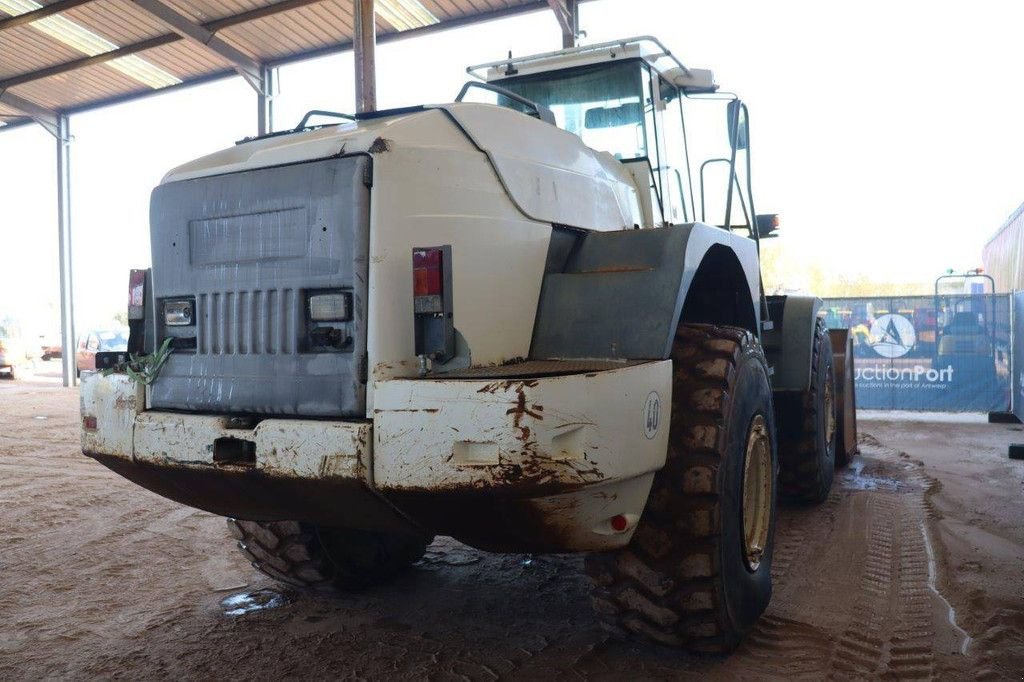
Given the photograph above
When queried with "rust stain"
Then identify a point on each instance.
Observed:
(123, 403)
(380, 145)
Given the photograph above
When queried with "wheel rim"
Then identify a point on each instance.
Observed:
(757, 492)
(830, 411)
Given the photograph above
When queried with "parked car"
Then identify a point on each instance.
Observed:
(98, 340)
(12, 350)
(50, 348)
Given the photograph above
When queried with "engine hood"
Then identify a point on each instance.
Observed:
(548, 173)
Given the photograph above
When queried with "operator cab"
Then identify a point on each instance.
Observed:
(630, 98)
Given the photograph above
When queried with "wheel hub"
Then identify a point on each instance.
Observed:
(757, 492)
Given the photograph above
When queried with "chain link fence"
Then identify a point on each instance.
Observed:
(948, 353)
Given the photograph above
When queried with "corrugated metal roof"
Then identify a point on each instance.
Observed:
(70, 55)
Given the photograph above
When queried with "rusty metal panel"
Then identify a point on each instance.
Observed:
(290, 448)
(529, 435)
(113, 401)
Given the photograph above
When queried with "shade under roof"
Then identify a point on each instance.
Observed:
(70, 55)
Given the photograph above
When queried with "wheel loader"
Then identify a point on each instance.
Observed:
(531, 319)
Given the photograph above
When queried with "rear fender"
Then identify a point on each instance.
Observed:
(789, 344)
(621, 295)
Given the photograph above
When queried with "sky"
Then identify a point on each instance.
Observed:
(884, 134)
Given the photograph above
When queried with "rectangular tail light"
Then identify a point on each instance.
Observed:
(432, 302)
(136, 294)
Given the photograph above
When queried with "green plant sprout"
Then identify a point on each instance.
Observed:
(143, 369)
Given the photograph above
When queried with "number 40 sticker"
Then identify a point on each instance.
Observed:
(652, 414)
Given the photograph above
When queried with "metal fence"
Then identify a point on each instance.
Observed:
(948, 353)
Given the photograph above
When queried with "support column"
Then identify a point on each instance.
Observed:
(569, 36)
(567, 12)
(67, 308)
(365, 46)
(265, 100)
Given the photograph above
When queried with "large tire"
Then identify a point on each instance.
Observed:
(689, 577)
(807, 429)
(313, 557)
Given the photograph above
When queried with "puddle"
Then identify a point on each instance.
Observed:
(854, 478)
(248, 602)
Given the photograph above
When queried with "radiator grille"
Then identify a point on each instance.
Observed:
(257, 322)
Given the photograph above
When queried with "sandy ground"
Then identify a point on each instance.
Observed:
(916, 558)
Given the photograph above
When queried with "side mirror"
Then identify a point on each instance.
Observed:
(736, 121)
(766, 224)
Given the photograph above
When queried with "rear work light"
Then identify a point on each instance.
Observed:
(179, 313)
(432, 303)
(330, 307)
(329, 326)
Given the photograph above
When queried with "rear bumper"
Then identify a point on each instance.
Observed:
(303, 469)
(520, 465)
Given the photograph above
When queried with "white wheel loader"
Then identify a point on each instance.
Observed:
(534, 323)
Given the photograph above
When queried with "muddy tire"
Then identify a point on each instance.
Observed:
(697, 573)
(320, 558)
(807, 429)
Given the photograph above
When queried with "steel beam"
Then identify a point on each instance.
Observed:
(67, 299)
(265, 100)
(568, 16)
(247, 67)
(39, 114)
(151, 43)
(365, 48)
(41, 13)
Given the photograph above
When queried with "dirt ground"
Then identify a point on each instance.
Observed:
(913, 569)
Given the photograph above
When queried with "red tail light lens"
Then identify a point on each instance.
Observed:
(136, 287)
(427, 272)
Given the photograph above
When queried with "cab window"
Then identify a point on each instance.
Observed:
(603, 104)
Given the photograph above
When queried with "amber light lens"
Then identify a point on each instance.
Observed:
(426, 272)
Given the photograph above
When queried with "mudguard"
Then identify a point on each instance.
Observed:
(788, 344)
(621, 294)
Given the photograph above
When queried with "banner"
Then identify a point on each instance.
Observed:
(949, 352)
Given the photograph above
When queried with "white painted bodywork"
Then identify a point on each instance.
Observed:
(573, 429)
(291, 447)
(451, 175)
(299, 448)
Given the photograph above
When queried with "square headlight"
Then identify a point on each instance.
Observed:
(330, 307)
(179, 313)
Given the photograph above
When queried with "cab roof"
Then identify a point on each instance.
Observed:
(647, 48)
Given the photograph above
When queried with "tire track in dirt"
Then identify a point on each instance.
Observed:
(861, 647)
(910, 645)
